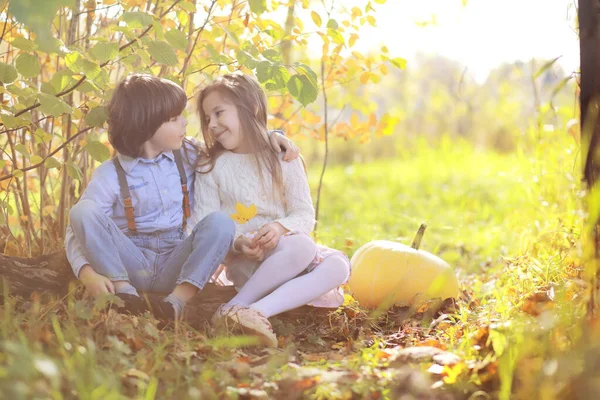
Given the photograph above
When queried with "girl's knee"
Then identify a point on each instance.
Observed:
(338, 266)
(300, 245)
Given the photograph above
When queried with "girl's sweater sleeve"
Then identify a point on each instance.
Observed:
(206, 196)
(300, 212)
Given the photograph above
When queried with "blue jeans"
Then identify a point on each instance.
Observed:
(152, 261)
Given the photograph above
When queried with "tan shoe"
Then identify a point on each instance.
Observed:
(248, 320)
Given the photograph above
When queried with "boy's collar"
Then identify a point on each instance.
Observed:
(129, 163)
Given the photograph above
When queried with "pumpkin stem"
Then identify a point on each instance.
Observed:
(419, 236)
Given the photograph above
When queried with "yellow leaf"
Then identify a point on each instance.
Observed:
(353, 37)
(384, 49)
(364, 78)
(357, 55)
(316, 18)
(371, 20)
(244, 213)
(384, 69)
(167, 23)
(372, 120)
(134, 3)
(356, 12)
(47, 210)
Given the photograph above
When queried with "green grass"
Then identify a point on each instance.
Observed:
(508, 223)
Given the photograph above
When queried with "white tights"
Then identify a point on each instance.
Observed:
(275, 287)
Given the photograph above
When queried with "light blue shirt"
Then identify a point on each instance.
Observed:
(155, 188)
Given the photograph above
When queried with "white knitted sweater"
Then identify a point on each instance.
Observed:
(234, 186)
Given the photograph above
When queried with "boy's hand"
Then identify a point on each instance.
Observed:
(268, 235)
(95, 283)
(246, 246)
(278, 141)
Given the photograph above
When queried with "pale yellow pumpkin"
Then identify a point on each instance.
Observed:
(386, 273)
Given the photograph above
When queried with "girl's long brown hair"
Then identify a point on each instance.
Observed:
(245, 93)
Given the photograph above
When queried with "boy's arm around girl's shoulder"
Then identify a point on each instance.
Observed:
(300, 213)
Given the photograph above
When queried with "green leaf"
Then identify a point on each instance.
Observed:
(21, 148)
(162, 52)
(9, 121)
(545, 67)
(37, 16)
(8, 73)
(304, 69)
(301, 88)
(96, 117)
(272, 55)
(47, 87)
(28, 65)
(258, 6)
(74, 171)
(263, 71)
(35, 159)
(187, 6)
(244, 58)
(332, 24)
(105, 51)
(62, 79)
(278, 77)
(51, 105)
(52, 162)
(399, 62)
(80, 65)
(159, 32)
(177, 39)
(137, 19)
(98, 151)
(23, 44)
(336, 36)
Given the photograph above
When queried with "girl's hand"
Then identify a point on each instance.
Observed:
(268, 235)
(278, 141)
(94, 283)
(246, 246)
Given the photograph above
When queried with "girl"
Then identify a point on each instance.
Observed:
(274, 264)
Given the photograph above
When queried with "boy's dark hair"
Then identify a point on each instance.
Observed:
(140, 104)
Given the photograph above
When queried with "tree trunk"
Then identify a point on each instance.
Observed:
(589, 42)
(52, 274)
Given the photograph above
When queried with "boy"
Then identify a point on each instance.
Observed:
(127, 232)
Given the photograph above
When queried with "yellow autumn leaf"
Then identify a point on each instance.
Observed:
(316, 18)
(243, 214)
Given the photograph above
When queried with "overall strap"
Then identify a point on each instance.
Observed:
(125, 194)
(184, 188)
